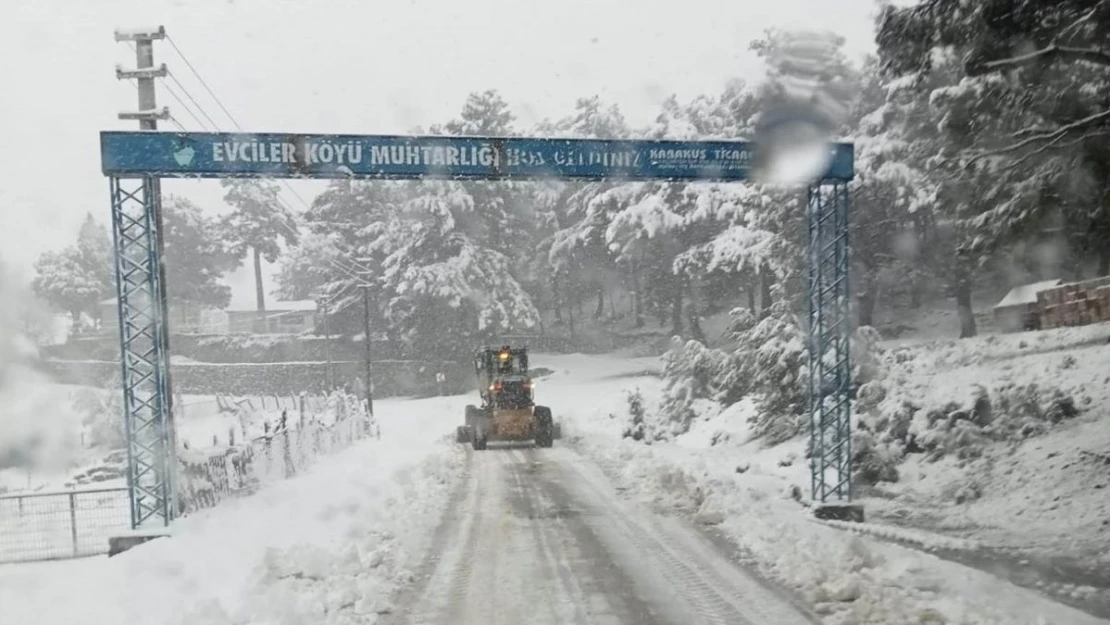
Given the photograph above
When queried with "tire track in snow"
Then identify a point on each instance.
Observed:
(549, 536)
(554, 594)
(533, 539)
(603, 590)
(474, 578)
(716, 590)
(447, 555)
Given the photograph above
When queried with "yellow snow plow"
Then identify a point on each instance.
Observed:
(508, 411)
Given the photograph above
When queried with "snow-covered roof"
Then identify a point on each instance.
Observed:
(1026, 293)
(300, 305)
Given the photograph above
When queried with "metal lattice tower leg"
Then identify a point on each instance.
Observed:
(830, 374)
(144, 355)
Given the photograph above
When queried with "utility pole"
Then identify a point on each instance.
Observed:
(327, 349)
(144, 73)
(366, 329)
(369, 362)
(148, 115)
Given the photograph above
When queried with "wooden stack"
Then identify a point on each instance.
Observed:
(1076, 304)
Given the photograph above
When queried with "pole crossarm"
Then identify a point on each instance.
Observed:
(140, 34)
(145, 72)
(146, 116)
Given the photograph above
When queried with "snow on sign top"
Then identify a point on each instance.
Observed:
(224, 155)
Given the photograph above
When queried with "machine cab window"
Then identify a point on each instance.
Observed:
(510, 362)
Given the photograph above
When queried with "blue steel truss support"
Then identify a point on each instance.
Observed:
(140, 287)
(830, 374)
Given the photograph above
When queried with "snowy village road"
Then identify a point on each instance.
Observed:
(537, 536)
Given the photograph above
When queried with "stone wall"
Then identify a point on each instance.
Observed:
(391, 377)
(230, 348)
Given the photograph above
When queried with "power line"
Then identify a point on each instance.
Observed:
(220, 103)
(191, 99)
(173, 119)
(351, 271)
(192, 68)
(298, 196)
(202, 82)
(347, 269)
(183, 105)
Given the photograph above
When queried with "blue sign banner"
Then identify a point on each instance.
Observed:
(226, 155)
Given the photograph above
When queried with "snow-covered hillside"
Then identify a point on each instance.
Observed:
(1013, 431)
(992, 451)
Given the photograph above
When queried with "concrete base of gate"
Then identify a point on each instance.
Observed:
(119, 544)
(851, 512)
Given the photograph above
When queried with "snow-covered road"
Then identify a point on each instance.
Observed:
(538, 536)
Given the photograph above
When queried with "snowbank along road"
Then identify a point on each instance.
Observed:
(539, 537)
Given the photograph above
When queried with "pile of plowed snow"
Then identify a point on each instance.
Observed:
(330, 546)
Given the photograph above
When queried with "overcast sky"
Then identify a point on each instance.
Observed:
(346, 66)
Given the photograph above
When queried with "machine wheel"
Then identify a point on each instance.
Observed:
(472, 412)
(557, 431)
(545, 427)
(477, 443)
(465, 433)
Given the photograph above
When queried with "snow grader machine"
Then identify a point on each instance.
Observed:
(508, 411)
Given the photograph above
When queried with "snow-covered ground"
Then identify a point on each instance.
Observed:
(200, 424)
(1047, 490)
(1040, 505)
(852, 579)
(331, 545)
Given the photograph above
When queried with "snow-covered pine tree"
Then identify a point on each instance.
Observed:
(257, 225)
(1025, 121)
(769, 363)
(691, 371)
(577, 252)
(893, 194)
(76, 278)
(333, 260)
(195, 257)
(445, 290)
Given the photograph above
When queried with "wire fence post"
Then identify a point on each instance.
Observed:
(73, 521)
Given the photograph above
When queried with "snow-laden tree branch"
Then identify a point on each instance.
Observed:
(1049, 138)
(1054, 52)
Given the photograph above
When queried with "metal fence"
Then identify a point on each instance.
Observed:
(76, 523)
(210, 475)
(61, 524)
